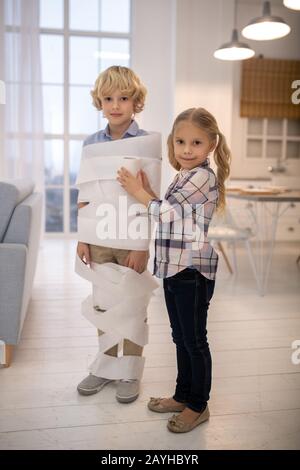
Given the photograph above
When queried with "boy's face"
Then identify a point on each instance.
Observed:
(117, 108)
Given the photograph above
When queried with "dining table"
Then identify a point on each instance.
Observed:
(268, 205)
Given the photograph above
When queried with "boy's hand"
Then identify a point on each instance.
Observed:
(83, 251)
(137, 260)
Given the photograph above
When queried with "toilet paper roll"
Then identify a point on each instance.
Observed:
(132, 164)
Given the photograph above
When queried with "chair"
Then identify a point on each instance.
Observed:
(224, 229)
(20, 228)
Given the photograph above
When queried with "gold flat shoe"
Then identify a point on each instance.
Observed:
(175, 424)
(155, 404)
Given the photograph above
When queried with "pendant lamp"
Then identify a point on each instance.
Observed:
(292, 4)
(266, 27)
(234, 50)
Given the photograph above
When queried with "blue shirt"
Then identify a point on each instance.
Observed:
(104, 135)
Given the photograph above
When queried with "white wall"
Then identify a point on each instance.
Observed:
(153, 53)
(201, 80)
(173, 45)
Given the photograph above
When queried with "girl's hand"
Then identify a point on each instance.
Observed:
(146, 185)
(131, 184)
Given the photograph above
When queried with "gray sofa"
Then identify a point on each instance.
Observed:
(20, 229)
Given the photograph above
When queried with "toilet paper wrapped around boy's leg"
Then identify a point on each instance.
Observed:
(123, 296)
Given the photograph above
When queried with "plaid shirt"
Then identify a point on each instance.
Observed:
(183, 219)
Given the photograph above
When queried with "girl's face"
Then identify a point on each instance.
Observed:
(117, 108)
(191, 145)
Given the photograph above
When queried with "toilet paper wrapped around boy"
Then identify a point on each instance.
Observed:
(114, 219)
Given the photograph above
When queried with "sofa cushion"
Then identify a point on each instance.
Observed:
(24, 220)
(12, 192)
(12, 276)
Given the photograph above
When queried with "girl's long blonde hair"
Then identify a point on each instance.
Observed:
(201, 118)
(123, 79)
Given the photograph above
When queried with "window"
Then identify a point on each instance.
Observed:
(78, 40)
(273, 138)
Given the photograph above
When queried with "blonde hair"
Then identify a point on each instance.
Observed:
(122, 79)
(201, 118)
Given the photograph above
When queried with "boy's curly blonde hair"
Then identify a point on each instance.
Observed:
(122, 79)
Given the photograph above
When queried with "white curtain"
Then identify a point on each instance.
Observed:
(22, 152)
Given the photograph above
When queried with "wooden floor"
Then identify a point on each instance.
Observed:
(255, 399)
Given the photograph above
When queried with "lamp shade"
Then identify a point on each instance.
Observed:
(266, 27)
(234, 50)
(293, 4)
(2, 92)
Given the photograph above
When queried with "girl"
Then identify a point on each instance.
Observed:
(183, 256)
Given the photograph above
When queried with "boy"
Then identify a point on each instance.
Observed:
(119, 93)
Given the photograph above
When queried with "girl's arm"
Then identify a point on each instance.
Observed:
(180, 203)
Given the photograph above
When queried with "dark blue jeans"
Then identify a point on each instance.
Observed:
(187, 295)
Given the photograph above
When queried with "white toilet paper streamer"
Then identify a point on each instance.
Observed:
(129, 227)
(112, 217)
(99, 168)
(125, 295)
(147, 146)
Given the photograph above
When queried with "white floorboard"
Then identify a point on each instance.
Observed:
(255, 399)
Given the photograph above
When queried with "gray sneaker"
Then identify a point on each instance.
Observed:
(92, 384)
(127, 390)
